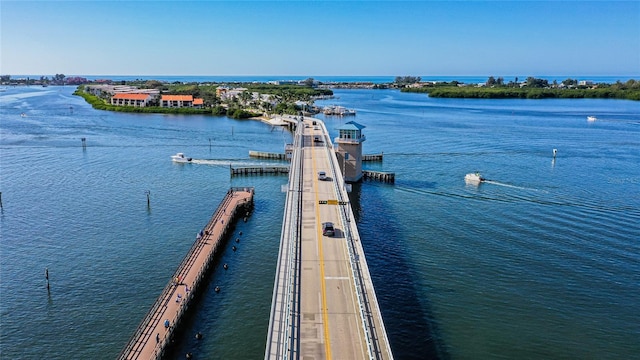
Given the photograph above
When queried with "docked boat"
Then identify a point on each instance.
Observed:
(180, 158)
(591, 118)
(338, 110)
(474, 178)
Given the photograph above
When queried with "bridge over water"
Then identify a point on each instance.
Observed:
(324, 304)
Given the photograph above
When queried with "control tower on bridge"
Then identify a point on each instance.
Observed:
(349, 150)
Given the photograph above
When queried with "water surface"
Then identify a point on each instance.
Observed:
(541, 262)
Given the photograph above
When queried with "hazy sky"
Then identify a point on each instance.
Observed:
(320, 37)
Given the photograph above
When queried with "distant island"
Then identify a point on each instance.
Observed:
(265, 99)
(531, 88)
(236, 100)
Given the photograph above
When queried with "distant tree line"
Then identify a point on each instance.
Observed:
(57, 79)
(532, 88)
(407, 80)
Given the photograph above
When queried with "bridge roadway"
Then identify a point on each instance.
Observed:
(324, 304)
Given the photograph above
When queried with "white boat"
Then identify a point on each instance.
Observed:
(338, 110)
(591, 118)
(180, 158)
(474, 178)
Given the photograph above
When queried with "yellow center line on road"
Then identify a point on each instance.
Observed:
(325, 315)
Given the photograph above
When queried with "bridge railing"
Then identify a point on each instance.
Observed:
(283, 335)
(366, 317)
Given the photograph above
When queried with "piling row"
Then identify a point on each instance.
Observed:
(386, 177)
(267, 155)
(258, 170)
(372, 157)
(155, 333)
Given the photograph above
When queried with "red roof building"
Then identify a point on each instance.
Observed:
(130, 99)
(180, 101)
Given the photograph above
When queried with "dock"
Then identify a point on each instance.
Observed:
(258, 170)
(155, 333)
(267, 155)
(373, 157)
(387, 177)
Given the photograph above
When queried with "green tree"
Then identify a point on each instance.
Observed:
(537, 83)
(59, 79)
(405, 80)
(153, 84)
(245, 97)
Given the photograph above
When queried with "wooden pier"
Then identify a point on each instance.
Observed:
(155, 333)
(258, 170)
(386, 177)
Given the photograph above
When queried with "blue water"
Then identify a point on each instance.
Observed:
(543, 261)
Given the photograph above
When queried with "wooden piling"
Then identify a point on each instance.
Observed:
(373, 157)
(258, 170)
(386, 177)
(267, 155)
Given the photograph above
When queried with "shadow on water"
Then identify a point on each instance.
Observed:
(412, 334)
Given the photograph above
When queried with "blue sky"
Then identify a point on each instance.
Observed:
(320, 38)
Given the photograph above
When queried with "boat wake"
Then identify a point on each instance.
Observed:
(211, 162)
(228, 162)
(512, 186)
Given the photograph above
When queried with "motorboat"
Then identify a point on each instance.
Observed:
(180, 158)
(591, 118)
(338, 110)
(474, 178)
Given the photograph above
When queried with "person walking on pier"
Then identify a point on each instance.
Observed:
(157, 338)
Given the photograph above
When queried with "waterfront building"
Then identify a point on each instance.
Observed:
(180, 101)
(131, 99)
(227, 93)
(106, 90)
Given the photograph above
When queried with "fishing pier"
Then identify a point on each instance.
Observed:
(155, 333)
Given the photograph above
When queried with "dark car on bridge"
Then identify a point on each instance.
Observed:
(327, 229)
